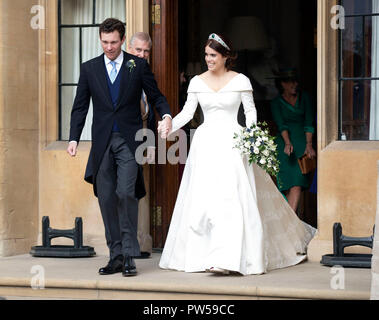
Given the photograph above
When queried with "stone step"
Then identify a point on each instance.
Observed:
(78, 279)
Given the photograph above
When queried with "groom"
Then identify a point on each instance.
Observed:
(115, 81)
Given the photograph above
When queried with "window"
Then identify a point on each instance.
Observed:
(359, 71)
(78, 27)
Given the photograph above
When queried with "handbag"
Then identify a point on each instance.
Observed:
(306, 164)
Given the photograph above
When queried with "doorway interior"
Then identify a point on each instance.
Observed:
(267, 35)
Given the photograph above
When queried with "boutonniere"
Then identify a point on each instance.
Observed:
(131, 64)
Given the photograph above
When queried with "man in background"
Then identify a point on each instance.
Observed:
(140, 45)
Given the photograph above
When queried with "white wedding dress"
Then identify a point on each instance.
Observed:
(228, 214)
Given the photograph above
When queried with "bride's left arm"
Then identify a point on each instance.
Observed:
(249, 107)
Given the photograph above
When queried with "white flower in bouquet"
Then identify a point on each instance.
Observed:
(259, 146)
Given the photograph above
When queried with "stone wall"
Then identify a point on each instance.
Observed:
(346, 194)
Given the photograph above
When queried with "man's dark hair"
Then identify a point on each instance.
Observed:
(109, 25)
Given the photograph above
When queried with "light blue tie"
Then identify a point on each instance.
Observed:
(113, 74)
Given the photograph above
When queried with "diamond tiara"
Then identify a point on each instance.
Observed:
(215, 37)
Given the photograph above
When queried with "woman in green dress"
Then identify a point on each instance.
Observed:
(293, 115)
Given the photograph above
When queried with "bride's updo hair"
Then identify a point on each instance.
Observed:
(230, 55)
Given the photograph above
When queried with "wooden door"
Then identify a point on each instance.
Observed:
(164, 178)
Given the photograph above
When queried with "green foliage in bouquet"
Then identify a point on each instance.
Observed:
(259, 146)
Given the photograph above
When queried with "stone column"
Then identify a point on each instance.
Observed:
(19, 28)
(375, 251)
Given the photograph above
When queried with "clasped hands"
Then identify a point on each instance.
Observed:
(164, 127)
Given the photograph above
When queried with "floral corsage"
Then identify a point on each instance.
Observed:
(131, 64)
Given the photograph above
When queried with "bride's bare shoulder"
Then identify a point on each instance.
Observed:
(204, 75)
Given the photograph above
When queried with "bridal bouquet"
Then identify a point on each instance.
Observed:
(256, 143)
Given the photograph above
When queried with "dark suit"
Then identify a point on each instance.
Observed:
(151, 120)
(148, 116)
(126, 113)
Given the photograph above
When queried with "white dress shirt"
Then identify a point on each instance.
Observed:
(119, 60)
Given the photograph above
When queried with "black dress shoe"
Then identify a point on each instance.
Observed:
(129, 267)
(114, 265)
(144, 255)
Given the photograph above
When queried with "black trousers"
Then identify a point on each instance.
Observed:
(116, 180)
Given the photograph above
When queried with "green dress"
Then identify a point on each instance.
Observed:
(297, 120)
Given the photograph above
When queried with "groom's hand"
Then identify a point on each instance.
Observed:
(71, 150)
(161, 130)
(168, 124)
(165, 127)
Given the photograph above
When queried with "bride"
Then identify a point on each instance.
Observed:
(229, 215)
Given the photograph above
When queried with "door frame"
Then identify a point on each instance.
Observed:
(164, 178)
